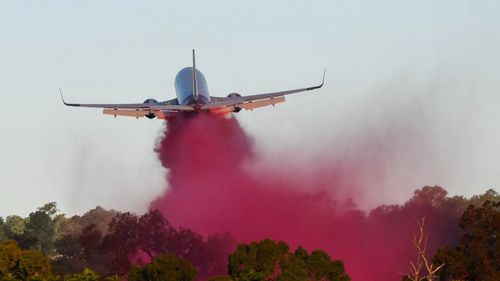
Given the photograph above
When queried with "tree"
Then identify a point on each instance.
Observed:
(268, 260)
(98, 216)
(422, 269)
(256, 260)
(216, 250)
(9, 257)
(39, 232)
(14, 226)
(154, 233)
(432, 195)
(121, 243)
(90, 240)
(69, 246)
(477, 255)
(49, 209)
(164, 267)
(490, 195)
(66, 226)
(33, 264)
(188, 245)
(17, 264)
(321, 267)
(2, 233)
(86, 275)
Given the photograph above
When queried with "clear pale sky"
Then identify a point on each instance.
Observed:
(429, 69)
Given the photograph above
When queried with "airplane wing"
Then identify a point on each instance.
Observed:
(254, 101)
(148, 108)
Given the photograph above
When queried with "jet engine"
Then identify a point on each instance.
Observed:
(150, 101)
(233, 96)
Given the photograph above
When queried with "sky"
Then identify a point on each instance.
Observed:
(419, 74)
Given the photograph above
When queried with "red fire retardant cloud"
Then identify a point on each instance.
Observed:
(212, 190)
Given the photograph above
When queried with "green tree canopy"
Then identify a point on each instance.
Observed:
(268, 260)
(14, 226)
(86, 275)
(49, 208)
(2, 232)
(164, 267)
(39, 232)
(321, 267)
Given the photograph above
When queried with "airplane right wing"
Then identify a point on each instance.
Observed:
(255, 101)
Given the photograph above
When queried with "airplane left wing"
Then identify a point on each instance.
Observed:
(149, 108)
(254, 101)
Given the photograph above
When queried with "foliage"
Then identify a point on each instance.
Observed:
(268, 260)
(49, 208)
(90, 241)
(220, 278)
(68, 245)
(17, 264)
(130, 235)
(490, 195)
(112, 278)
(107, 242)
(32, 264)
(164, 267)
(2, 232)
(477, 255)
(122, 242)
(320, 267)
(154, 233)
(39, 232)
(86, 275)
(14, 226)
(99, 217)
(10, 254)
(215, 254)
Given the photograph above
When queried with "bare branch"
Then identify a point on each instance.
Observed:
(420, 244)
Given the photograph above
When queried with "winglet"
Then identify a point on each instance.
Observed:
(323, 81)
(320, 85)
(67, 103)
(62, 98)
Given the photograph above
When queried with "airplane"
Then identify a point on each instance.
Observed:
(193, 97)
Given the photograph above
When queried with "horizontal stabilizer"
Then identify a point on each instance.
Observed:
(126, 112)
(261, 103)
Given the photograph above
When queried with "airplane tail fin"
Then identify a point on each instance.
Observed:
(195, 81)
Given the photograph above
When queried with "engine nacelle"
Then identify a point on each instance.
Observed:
(150, 101)
(233, 96)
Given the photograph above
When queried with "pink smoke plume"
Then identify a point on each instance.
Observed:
(214, 188)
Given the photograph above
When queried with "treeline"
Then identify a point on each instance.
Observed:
(477, 254)
(109, 245)
(109, 242)
(461, 234)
